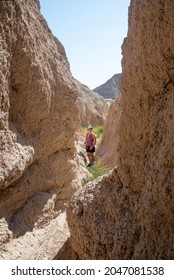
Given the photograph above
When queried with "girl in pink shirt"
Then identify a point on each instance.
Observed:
(90, 142)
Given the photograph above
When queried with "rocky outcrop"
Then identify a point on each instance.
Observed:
(110, 89)
(108, 148)
(101, 220)
(92, 107)
(38, 121)
(129, 214)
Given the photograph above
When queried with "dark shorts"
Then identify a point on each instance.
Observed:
(90, 151)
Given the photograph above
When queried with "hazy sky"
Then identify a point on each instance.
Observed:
(92, 32)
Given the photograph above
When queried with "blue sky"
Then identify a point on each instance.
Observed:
(92, 32)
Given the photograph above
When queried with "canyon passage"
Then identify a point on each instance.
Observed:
(46, 211)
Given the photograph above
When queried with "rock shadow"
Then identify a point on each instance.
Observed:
(35, 213)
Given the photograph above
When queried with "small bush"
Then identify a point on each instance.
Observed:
(98, 131)
(98, 169)
(83, 129)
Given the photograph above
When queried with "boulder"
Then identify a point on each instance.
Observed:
(101, 220)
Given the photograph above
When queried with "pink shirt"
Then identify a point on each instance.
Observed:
(90, 139)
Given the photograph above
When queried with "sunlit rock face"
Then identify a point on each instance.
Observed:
(129, 213)
(93, 108)
(108, 148)
(38, 120)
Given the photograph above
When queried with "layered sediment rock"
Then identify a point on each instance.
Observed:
(38, 121)
(110, 89)
(108, 148)
(129, 213)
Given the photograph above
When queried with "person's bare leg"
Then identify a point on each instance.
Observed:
(92, 158)
(89, 157)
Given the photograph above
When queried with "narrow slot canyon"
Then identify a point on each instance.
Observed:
(51, 208)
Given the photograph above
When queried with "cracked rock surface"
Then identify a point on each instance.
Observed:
(38, 120)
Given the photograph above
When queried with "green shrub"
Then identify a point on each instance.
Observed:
(98, 169)
(98, 131)
(83, 129)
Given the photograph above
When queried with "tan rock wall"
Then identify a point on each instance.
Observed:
(134, 218)
(102, 220)
(108, 148)
(37, 125)
(146, 137)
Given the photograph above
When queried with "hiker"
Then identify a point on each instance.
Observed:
(90, 142)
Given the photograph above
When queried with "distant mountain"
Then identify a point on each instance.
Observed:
(111, 88)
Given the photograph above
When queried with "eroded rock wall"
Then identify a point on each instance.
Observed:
(102, 220)
(93, 108)
(108, 148)
(134, 219)
(37, 125)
